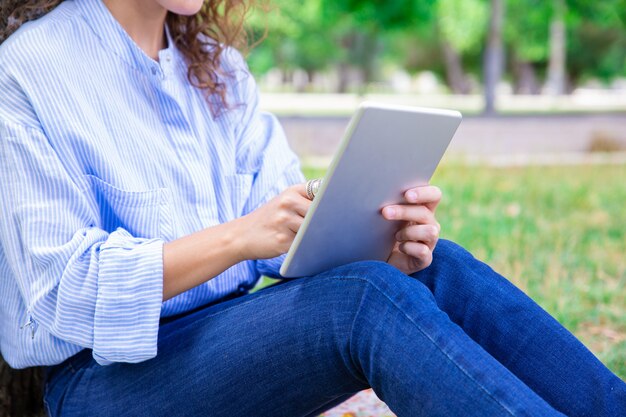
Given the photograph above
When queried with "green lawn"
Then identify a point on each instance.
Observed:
(559, 233)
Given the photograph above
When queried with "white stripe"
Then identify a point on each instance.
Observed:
(101, 162)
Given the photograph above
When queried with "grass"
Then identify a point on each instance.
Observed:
(558, 233)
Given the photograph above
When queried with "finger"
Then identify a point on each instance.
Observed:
(417, 250)
(428, 195)
(417, 214)
(285, 240)
(425, 233)
(292, 200)
(301, 206)
(294, 223)
(301, 189)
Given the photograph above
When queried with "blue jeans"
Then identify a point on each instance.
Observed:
(455, 339)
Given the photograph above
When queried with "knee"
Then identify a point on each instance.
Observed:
(368, 272)
(451, 254)
(452, 260)
(453, 267)
(385, 281)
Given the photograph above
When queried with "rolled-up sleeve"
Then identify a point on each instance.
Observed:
(90, 287)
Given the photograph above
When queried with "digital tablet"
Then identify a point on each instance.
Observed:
(385, 151)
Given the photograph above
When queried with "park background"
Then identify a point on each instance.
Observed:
(535, 179)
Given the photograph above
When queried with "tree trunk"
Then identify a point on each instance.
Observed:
(348, 42)
(370, 49)
(525, 78)
(556, 67)
(21, 392)
(494, 58)
(343, 73)
(457, 80)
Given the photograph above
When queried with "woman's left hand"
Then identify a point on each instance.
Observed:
(417, 238)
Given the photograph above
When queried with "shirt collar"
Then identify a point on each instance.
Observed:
(113, 36)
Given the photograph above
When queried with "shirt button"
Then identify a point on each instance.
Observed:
(241, 289)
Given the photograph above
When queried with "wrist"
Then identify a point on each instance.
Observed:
(237, 238)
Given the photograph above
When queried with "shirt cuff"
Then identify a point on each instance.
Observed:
(129, 299)
(271, 267)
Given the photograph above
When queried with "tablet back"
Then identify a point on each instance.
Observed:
(385, 151)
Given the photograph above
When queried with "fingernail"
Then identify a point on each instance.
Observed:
(411, 196)
(390, 212)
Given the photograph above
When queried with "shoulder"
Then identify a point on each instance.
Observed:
(231, 72)
(233, 61)
(237, 77)
(36, 48)
(232, 68)
(41, 37)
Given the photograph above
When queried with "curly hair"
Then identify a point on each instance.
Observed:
(201, 38)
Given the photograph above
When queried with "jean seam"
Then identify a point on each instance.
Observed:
(46, 391)
(47, 409)
(485, 391)
(351, 333)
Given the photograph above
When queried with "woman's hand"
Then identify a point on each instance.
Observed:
(269, 230)
(416, 240)
(265, 233)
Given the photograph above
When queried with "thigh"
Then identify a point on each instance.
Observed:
(299, 348)
(280, 351)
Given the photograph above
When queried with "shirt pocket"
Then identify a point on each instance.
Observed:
(144, 213)
(240, 186)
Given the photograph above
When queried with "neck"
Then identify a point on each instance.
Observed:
(143, 20)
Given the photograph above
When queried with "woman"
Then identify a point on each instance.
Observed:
(143, 194)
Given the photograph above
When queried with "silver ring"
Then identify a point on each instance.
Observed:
(312, 187)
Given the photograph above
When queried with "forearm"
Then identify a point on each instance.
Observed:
(201, 256)
(265, 233)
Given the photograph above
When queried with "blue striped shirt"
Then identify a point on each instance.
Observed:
(105, 154)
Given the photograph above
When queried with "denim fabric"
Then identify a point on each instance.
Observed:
(454, 340)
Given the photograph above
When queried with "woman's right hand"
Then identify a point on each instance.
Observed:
(268, 231)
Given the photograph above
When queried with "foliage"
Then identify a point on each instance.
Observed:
(298, 37)
(330, 35)
(597, 39)
(462, 23)
(375, 15)
(527, 30)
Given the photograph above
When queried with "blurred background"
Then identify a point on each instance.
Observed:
(554, 71)
(535, 178)
(485, 48)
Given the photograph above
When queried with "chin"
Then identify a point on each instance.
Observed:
(182, 7)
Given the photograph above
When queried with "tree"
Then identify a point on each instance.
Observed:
(461, 24)
(494, 55)
(365, 21)
(300, 36)
(565, 40)
(556, 68)
(596, 46)
(21, 392)
(527, 36)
